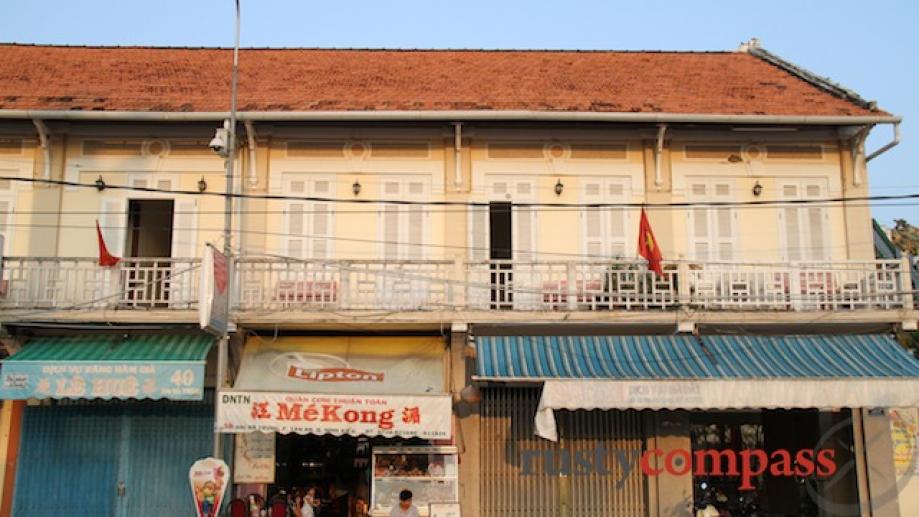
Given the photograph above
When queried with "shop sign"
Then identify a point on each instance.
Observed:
(255, 458)
(214, 292)
(209, 478)
(444, 510)
(422, 416)
(394, 365)
(174, 380)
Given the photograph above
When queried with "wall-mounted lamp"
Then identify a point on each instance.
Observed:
(100, 183)
(471, 394)
(734, 158)
(757, 189)
(202, 185)
(559, 187)
(356, 188)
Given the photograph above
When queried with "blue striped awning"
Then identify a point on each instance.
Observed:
(708, 372)
(687, 357)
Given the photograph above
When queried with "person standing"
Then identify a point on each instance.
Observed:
(405, 508)
(310, 503)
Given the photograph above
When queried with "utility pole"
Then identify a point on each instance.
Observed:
(224, 343)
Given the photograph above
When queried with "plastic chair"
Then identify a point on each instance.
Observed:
(278, 509)
(237, 508)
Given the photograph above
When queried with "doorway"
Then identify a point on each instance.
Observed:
(500, 252)
(149, 238)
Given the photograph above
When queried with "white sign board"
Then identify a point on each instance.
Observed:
(422, 416)
(214, 291)
(444, 510)
(255, 458)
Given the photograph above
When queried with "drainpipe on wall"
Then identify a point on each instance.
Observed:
(658, 154)
(457, 148)
(44, 137)
(250, 136)
(890, 145)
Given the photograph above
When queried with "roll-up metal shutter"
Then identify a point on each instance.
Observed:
(524, 475)
(74, 458)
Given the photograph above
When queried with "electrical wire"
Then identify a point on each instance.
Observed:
(678, 204)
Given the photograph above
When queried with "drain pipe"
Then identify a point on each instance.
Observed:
(890, 145)
(250, 136)
(457, 148)
(44, 137)
(659, 153)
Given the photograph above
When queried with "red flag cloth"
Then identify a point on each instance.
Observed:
(106, 259)
(647, 245)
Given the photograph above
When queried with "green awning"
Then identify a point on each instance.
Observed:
(108, 366)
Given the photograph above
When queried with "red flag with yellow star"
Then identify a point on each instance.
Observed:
(647, 245)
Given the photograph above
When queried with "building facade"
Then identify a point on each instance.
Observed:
(436, 283)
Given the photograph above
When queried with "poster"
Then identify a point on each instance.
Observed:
(255, 458)
(904, 432)
(208, 478)
(422, 416)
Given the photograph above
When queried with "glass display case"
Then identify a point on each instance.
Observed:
(430, 472)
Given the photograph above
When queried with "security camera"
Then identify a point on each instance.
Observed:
(219, 143)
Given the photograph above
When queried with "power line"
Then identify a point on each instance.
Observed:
(678, 204)
(165, 229)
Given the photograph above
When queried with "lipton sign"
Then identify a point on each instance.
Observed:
(385, 365)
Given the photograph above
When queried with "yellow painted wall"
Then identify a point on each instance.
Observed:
(543, 156)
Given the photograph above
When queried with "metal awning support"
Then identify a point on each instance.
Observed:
(44, 137)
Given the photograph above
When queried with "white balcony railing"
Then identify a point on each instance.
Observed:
(287, 285)
(81, 284)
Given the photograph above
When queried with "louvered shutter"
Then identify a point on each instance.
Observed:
(478, 233)
(321, 219)
(524, 225)
(699, 223)
(5, 221)
(416, 220)
(294, 214)
(185, 229)
(617, 221)
(723, 223)
(594, 244)
(816, 225)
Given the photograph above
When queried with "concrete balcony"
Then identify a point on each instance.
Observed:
(276, 289)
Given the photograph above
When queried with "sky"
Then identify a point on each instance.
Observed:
(871, 47)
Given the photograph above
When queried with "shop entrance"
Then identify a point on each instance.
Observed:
(338, 467)
(791, 481)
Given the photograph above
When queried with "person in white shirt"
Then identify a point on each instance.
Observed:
(405, 508)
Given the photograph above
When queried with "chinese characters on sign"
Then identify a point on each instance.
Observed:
(424, 416)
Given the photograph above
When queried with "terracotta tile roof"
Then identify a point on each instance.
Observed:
(190, 79)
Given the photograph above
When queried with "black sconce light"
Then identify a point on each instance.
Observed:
(356, 188)
(202, 185)
(100, 183)
(559, 187)
(757, 189)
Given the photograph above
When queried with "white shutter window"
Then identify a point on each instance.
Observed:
(113, 221)
(815, 226)
(523, 232)
(805, 227)
(295, 226)
(185, 229)
(605, 229)
(5, 221)
(594, 244)
(390, 232)
(320, 217)
(712, 228)
(478, 233)
(415, 232)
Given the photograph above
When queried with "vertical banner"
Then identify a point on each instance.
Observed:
(214, 291)
(254, 460)
(209, 478)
